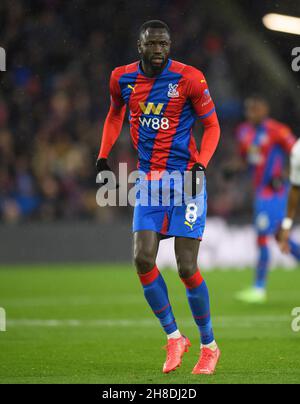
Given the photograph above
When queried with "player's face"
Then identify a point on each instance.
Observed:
(256, 111)
(154, 47)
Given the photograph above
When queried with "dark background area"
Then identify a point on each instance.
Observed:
(54, 94)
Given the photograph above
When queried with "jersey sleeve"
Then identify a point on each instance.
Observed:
(115, 117)
(116, 99)
(285, 137)
(295, 164)
(111, 130)
(210, 139)
(242, 146)
(199, 95)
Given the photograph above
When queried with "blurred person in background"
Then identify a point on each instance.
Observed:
(264, 144)
(283, 236)
(55, 89)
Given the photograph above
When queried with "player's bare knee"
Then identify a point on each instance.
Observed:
(143, 262)
(186, 269)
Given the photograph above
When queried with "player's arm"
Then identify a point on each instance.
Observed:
(205, 109)
(293, 198)
(285, 138)
(210, 139)
(112, 126)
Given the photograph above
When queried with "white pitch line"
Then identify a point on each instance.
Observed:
(72, 301)
(222, 322)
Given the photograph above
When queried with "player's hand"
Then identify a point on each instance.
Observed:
(282, 238)
(198, 171)
(101, 166)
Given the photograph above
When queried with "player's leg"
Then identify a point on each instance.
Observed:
(263, 263)
(186, 250)
(186, 224)
(267, 216)
(257, 293)
(265, 222)
(146, 245)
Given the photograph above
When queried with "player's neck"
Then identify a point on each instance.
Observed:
(149, 71)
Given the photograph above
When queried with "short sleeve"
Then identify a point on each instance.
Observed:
(115, 91)
(199, 95)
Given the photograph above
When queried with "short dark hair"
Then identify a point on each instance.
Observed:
(153, 24)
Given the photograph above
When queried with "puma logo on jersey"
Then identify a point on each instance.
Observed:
(131, 87)
(189, 224)
(151, 107)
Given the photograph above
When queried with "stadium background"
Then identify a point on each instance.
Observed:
(53, 101)
(54, 97)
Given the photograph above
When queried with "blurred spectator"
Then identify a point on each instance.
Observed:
(54, 98)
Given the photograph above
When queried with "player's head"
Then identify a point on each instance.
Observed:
(256, 109)
(154, 43)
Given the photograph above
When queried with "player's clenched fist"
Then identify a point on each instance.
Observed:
(101, 165)
(103, 169)
(194, 182)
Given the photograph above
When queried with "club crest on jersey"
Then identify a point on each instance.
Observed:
(173, 92)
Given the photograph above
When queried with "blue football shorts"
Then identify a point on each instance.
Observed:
(269, 211)
(171, 213)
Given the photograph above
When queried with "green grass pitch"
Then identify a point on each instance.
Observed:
(90, 324)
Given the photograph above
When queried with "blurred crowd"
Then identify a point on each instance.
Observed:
(54, 98)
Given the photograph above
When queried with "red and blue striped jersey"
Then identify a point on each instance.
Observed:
(163, 110)
(265, 148)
